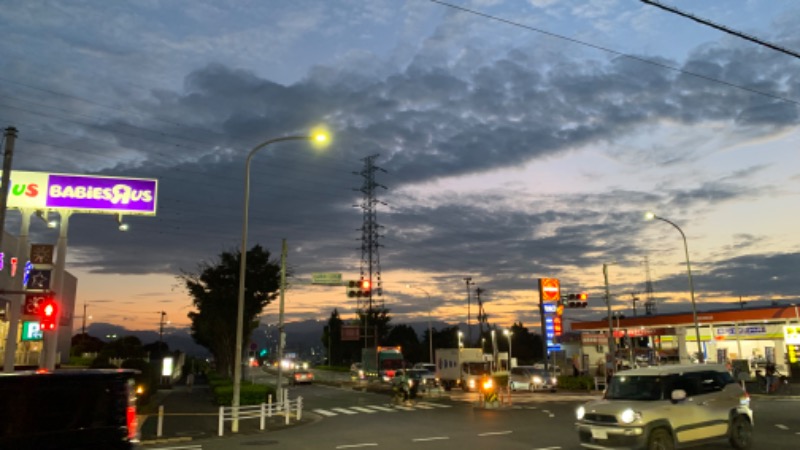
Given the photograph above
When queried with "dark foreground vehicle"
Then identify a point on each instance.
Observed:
(68, 409)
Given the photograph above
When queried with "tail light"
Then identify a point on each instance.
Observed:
(130, 412)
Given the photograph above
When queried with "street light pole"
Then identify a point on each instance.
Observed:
(509, 334)
(612, 350)
(430, 327)
(237, 367)
(691, 283)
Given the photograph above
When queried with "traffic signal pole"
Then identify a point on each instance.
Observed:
(51, 337)
(15, 306)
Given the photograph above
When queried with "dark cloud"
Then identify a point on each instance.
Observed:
(427, 122)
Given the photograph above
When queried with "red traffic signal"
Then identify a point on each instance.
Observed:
(48, 314)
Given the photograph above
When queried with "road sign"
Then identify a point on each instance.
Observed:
(327, 278)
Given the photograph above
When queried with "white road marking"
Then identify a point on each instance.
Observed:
(381, 408)
(494, 433)
(325, 412)
(184, 447)
(435, 405)
(782, 427)
(421, 406)
(344, 411)
(364, 410)
(370, 444)
(437, 438)
(404, 408)
(548, 448)
(548, 412)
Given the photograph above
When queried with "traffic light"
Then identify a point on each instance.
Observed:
(353, 289)
(577, 300)
(366, 287)
(48, 315)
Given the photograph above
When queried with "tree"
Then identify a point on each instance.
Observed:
(83, 343)
(406, 337)
(214, 291)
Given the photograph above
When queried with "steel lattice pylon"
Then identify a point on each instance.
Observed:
(370, 256)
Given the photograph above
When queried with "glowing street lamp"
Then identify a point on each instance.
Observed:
(508, 335)
(319, 137)
(651, 216)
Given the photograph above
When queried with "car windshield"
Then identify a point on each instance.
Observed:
(645, 388)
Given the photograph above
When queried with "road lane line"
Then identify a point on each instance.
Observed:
(494, 433)
(325, 412)
(437, 438)
(781, 426)
(364, 410)
(369, 444)
(344, 411)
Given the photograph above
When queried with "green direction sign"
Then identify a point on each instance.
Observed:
(327, 278)
(31, 331)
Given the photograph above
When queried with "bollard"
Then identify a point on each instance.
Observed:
(160, 427)
(263, 418)
(269, 402)
(286, 411)
(299, 408)
(221, 419)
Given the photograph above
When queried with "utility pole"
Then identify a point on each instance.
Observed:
(611, 343)
(9, 137)
(160, 330)
(468, 281)
(83, 324)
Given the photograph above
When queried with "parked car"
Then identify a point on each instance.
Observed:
(530, 378)
(666, 407)
(301, 376)
(91, 409)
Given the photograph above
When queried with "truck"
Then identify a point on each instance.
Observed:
(380, 363)
(462, 367)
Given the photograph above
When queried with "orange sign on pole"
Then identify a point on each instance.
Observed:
(549, 289)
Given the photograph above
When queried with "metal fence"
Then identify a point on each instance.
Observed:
(264, 411)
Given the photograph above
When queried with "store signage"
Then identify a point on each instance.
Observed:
(83, 193)
(549, 289)
(31, 331)
(791, 334)
(744, 331)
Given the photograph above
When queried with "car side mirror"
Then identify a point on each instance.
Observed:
(678, 395)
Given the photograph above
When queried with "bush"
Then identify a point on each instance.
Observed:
(249, 394)
(570, 383)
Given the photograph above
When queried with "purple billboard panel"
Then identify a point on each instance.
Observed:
(109, 194)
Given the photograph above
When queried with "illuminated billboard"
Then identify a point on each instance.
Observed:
(83, 193)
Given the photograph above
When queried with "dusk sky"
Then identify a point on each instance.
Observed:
(520, 139)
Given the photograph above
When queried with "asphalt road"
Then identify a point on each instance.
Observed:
(349, 419)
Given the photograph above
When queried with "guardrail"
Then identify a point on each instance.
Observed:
(263, 411)
(599, 381)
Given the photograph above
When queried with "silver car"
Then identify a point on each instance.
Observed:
(529, 378)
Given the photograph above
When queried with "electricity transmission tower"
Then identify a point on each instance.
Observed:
(370, 256)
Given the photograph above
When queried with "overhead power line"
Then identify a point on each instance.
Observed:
(615, 52)
(748, 37)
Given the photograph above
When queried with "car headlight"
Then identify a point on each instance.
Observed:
(537, 380)
(554, 380)
(629, 416)
(580, 412)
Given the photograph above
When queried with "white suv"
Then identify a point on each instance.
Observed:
(664, 407)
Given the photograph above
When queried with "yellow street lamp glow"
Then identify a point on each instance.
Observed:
(320, 137)
(649, 215)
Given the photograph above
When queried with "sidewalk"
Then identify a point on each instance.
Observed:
(190, 415)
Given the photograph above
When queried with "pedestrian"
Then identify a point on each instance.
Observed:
(770, 376)
(190, 380)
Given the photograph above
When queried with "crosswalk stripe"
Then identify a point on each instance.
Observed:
(421, 406)
(381, 408)
(364, 410)
(436, 405)
(344, 411)
(404, 408)
(325, 412)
